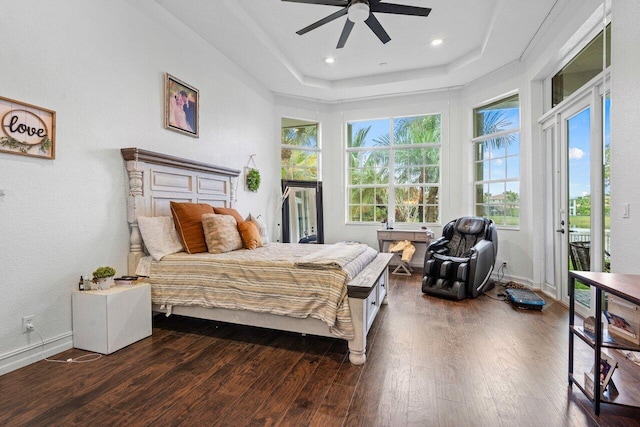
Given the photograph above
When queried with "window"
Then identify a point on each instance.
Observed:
(583, 67)
(394, 170)
(299, 150)
(497, 161)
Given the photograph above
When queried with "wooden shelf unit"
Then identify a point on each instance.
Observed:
(627, 375)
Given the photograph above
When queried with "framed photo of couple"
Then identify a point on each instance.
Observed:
(181, 107)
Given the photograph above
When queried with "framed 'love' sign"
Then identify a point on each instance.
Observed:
(27, 129)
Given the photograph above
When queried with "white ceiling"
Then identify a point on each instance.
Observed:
(480, 36)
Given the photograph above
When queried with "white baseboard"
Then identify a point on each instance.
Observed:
(35, 352)
(550, 291)
(522, 280)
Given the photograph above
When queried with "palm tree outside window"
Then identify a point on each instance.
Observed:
(497, 161)
(300, 152)
(393, 170)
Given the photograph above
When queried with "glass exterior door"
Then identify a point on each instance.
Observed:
(578, 140)
(575, 134)
(577, 146)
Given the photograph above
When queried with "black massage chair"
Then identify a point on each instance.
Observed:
(459, 264)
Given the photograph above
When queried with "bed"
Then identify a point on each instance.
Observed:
(155, 180)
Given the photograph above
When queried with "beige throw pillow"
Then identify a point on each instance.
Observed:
(160, 236)
(221, 233)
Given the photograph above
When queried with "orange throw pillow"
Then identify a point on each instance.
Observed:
(250, 235)
(229, 211)
(188, 220)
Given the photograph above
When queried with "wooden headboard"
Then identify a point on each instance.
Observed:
(156, 179)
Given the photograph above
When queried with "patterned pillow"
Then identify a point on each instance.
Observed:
(250, 235)
(188, 220)
(159, 235)
(221, 233)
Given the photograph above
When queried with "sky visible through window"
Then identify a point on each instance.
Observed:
(579, 154)
(580, 151)
(378, 129)
(510, 119)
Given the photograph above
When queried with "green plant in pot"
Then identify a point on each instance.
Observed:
(103, 276)
(253, 179)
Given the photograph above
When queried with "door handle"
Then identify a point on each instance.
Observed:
(560, 231)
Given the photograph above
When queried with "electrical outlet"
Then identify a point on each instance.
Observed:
(504, 264)
(27, 324)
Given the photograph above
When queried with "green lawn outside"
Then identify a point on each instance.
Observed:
(585, 222)
(510, 221)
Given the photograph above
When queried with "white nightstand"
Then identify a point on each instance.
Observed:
(106, 321)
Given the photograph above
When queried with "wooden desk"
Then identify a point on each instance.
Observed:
(414, 236)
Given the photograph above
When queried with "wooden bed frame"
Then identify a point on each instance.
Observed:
(157, 179)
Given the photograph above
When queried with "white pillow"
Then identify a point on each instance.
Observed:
(262, 228)
(159, 235)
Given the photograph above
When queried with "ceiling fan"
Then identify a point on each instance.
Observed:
(361, 11)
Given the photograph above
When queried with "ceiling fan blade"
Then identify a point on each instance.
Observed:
(341, 3)
(323, 21)
(376, 27)
(346, 30)
(400, 9)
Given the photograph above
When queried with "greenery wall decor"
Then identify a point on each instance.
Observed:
(252, 177)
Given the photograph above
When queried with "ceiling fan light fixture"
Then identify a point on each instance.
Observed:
(358, 11)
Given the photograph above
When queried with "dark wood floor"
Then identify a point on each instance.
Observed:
(431, 362)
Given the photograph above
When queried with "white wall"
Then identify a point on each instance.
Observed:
(101, 66)
(625, 150)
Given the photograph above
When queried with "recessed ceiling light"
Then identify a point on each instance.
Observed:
(329, 60)
(436, 42)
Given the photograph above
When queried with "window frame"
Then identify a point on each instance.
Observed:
(391, 185)
(556, 80)
(317, 150)
(506, 180)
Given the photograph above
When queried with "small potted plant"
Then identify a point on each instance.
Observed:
(103, 276)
